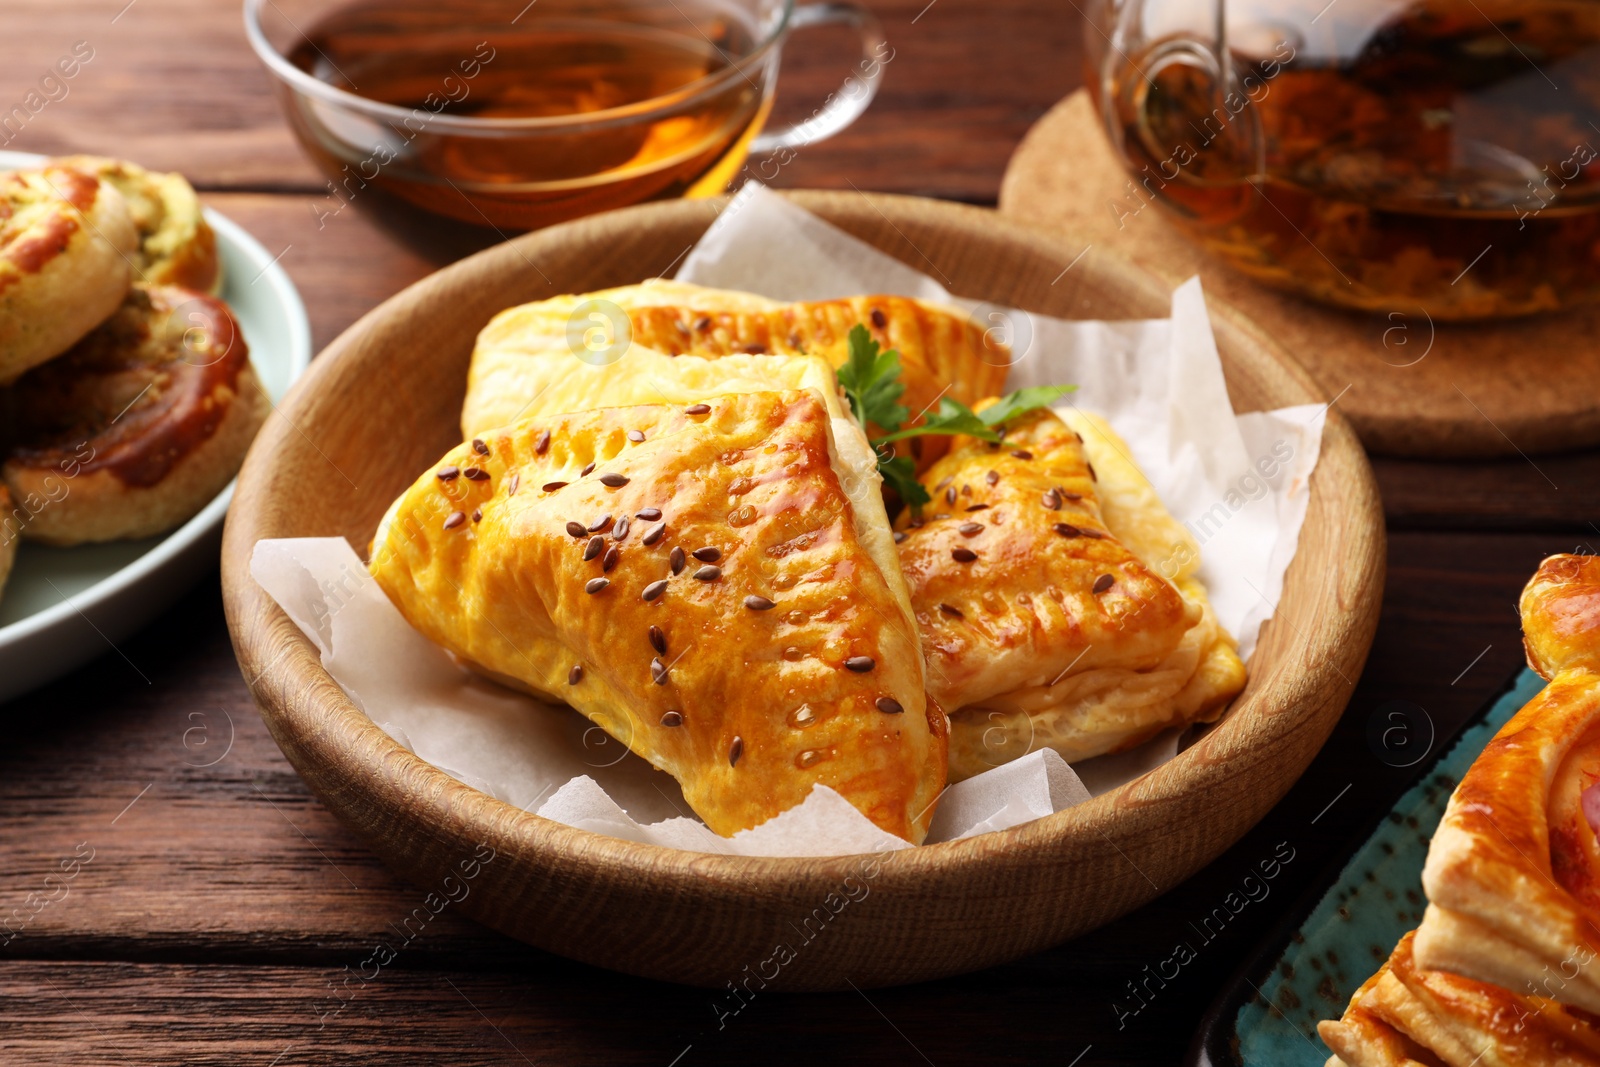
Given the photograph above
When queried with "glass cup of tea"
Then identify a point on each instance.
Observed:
(523, 113)
(1377, 154)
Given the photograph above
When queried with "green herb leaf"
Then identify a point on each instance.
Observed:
(900, 474)
(952, 417)
(871, 380)
(1023, 401)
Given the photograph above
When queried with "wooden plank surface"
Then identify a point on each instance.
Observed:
(221, 899)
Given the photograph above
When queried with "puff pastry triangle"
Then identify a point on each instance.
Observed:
(713, 584)
(1041, 626)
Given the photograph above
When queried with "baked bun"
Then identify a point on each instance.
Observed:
(137, 427)
(8, 539)
(176, 246)
(66, 259)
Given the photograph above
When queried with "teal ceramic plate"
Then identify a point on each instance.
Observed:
(1347, 926)
(65, 606)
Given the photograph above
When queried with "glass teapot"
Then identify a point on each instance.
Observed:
(1376, 154)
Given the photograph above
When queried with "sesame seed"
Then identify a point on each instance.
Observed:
(654, 534)
(648, 514)
(677, 559)
(860, 664)
(941, 515)
(595, 585)
(735, 750)
(697, 409)
(636, 436)
(1104, 582)
(600, 524)
(950, 495)
(703, 322)
(514, 484)
(551, 487)
(658, 640)
(672, 719)
(879, 319)
(963, 555)
(888, 705)
(477, 514)
(588, 468)
(1066, 529)
(1071, 496)
(758, 603)
(708, 554)
(682, 327)
(944, 482)
(1022, 453)
(479, 447)
(613, 481)
(454, 519)
(654, 589)
(708, 574)
(966, 490)
(977, 507)
(448, 474)
(756, 349)
(576, 529)
(951, 610)
(916, 524)
(1094, 535)
(476, 474)
(1052, 499)
(595, 546)
(899, 535)
(1093, 477)
(993, 477)
(610, 560)
(658, 671)
(575, 675)
(541, 446)
(971, 529)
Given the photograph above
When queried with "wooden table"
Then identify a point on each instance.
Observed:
(222, 902)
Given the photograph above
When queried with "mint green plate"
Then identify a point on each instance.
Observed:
(65, 606)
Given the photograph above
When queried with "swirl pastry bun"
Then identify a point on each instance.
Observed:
(139, 426)
(176, 245)
(66, 247)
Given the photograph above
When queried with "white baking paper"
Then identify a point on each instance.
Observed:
(1240, 483)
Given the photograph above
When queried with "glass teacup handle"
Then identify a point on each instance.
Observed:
(843, 107)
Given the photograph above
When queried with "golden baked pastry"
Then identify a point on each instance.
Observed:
(1513, 872)
(176, 245)
(10, 538)
(714, 584)
(1057, 599)
(1406, 1016)
(138, 426)
(942, 352)
(66, 248)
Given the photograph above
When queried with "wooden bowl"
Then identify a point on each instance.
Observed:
(382, 403)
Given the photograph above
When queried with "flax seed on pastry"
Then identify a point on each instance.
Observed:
(139, 426)
(67, 243)
(10, 536)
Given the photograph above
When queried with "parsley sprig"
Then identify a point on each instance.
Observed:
(871, 381)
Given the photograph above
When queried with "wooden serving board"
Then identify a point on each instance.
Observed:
(1409, 386)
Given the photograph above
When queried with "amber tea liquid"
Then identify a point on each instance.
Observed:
(1451, 162)
(557, 60)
